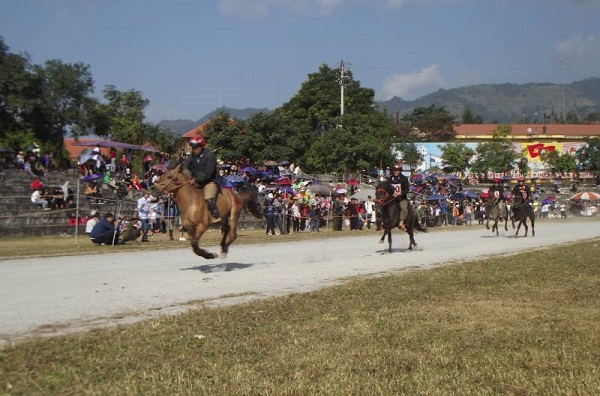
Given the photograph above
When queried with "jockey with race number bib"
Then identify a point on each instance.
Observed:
(495, 195)
(202, 164)
(523, 191)
(401, 188)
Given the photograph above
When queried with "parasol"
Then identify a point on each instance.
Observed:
(585, 196)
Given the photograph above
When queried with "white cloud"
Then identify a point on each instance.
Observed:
(581, 53)
(412, 85)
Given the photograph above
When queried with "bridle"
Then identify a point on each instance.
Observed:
(176, 184)
(387, 197)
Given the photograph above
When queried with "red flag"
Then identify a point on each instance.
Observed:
(535, 149)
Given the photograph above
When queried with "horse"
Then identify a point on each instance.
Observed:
(390, 215)
(522, 211)
(196, 217)
(496, 213)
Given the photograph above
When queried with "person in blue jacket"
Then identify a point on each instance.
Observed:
(104, 231)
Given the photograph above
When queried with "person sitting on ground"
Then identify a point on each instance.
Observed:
(36, 198)
(132, 230)
(89, 225)
(104, 232)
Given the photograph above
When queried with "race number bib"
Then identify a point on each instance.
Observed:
(397, 188)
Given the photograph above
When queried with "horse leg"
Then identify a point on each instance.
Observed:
(389, 232)
(518, 228)
(532, 220)
(195, 234)
(225, 239)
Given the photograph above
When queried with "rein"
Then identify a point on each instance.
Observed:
(386, 199)
(175, 185)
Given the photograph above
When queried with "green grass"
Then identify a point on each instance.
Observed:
(521, 325)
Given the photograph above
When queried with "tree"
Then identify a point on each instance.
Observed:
(589, 155)
(433, 124)
(305, 129)
(572, 117)
(63, 103)
(469, 118)
(409, 153)
(457, 155)
(498, 155)
(124, 115)
(223, 135)
(16, 90)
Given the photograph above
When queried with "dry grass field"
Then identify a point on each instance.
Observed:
(524, 324)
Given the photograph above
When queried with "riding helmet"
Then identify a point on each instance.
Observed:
(197, 141)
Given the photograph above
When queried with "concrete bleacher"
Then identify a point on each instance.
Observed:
(19, 217)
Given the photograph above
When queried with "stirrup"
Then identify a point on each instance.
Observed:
(403, 226)
(214, 220)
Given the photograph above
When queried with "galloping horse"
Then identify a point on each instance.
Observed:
(195, 216)
(523, 211)
(496, 213)
(390, 215)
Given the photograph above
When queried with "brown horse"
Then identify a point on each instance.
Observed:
(195, 216)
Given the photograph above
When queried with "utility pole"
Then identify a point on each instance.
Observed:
(562, 67)
(342, 84)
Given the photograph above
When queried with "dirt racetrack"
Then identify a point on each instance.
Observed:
(58, 295)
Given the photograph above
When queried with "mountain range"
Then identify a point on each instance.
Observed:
(494, 103)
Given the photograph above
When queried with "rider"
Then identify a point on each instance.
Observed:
(202, 164)
(496, 194)
(522, 190)
(401, 188)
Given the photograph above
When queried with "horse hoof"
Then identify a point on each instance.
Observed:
(223, 255)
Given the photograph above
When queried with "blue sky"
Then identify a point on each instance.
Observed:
(189, 57)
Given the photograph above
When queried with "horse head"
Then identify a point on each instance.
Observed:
(384, 193)
(171, 180)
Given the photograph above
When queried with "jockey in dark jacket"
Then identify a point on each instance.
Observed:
(523, 191)
(202, 164)
(401, 188)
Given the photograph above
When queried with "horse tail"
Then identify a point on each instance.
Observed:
(418, 226)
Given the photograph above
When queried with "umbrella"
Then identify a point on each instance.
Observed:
(93, 176)
(150, 148)
(341, 191)
(436, 197)
(159, 167)
(585, 196)
(283, 163)
(364, 194)
(271, 163)
(548, 200)
(108, 143)
(284, 181)
(353, 182)
(148, 158)
(6, 150)
(249, 169)
(322, 189)
(88, 154)
(287, 189)
(234, 179)
(224, 166)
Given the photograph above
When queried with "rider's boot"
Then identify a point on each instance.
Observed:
(214, 210)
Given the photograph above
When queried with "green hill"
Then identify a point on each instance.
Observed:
(504, 103)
